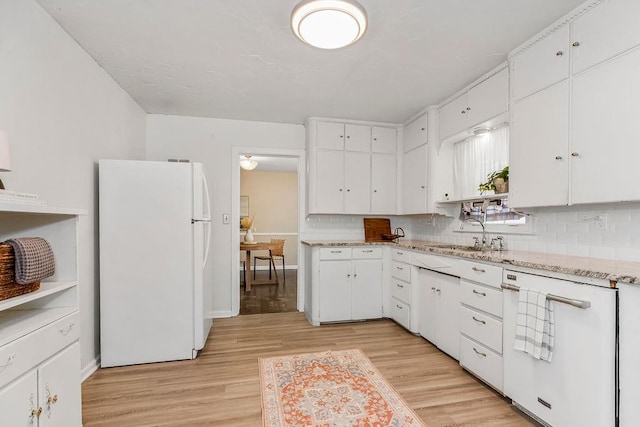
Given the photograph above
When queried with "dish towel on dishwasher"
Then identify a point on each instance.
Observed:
(535, 325)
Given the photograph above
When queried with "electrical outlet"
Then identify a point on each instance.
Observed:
(225, 218)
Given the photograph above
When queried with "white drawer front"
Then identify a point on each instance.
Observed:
(401, 290)
(437, 263)
(23, 354)
(401, 255)
(482, 273)
(366, 253)
(335, 253)
(401, 271)
(484, 363)
(400, 312)
(482, 328)
(481, 297)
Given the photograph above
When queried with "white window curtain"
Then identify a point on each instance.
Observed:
(476, 157)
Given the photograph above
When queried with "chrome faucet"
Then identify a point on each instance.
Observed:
(484, 237)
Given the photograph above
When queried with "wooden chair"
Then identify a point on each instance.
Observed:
(277, 252)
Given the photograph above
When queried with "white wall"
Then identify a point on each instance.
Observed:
(62, 113)
(211, 141)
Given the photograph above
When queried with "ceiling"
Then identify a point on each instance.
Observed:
(238, 59)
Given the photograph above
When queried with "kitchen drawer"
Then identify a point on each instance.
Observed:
(441, 264)
(481, 297)
(401, 290)
(482, 273)
(400, 312)
(335, 253)
(23, 354)
(481, 328)
(366, 253)
(401, 271)
(401, 255)
(482, 362)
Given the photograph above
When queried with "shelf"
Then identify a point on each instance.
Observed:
(18, 323)
(46, 289)
(474, 199)
(38, 209)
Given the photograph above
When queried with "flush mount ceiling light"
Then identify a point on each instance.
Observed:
(247, 164)
(481, 131)
(329, 24)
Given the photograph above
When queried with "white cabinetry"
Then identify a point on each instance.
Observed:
(415, 133)
(439, 296)
(414, 181)
(629, 370)
(481, 322)
(481, 102)
(349, 283)
(352, 168)
(578, 386)
(578, 115)
(39, 331)
(404, 290)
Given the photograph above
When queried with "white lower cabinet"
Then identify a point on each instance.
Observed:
(439, 298)
(47, 396)
(350, 284)
(629, 368)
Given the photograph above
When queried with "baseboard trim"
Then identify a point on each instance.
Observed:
(219, 314)
(90, 368)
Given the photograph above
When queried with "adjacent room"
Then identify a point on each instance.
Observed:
(319, 213)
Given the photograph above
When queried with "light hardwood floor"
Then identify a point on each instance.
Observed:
(222, 388)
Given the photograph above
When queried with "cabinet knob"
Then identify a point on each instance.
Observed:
(375, 139)
(36, 412)
(422, 186)
(438, 290)
(558, 157)
(575, 44)
(422, 129)
(559, 53)
(433, 288)
(348, 190)
(341, 136)
(575, 154)
(463, 112)
(340, 189)
(375, 191)
(348, 136)
(468, 108)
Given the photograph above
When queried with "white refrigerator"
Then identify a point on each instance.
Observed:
(155, 233)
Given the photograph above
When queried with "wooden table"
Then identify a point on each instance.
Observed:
(258, 246)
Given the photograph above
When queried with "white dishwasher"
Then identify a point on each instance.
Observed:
(578, 387)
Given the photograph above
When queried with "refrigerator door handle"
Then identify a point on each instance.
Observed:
(206, 196)
(207, 224)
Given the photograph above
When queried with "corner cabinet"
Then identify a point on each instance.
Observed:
(39, 331)
(352, 168)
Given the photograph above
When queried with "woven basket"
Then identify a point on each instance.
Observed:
(8, 287)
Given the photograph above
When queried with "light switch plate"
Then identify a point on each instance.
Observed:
(225, 218)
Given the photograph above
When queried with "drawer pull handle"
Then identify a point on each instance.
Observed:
(399, 253)
(433, 288)
(399, 285)
(479, 270)
(368, 251)
(65, 332)
(479, 320)
(399, 268)
(479, 353)
(399, 307)
(483, 294)
(336, 252)
(10, 360)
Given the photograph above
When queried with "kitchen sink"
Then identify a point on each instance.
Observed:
(461, 248)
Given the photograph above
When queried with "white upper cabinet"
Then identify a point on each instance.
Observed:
(383, 184)
(592, 44)
(544, 63)
(357, 182)
(415, 133)
(481, 102)
(383, 140)
(358, 138)
(330, 135)
(329, 191)
(414, 181)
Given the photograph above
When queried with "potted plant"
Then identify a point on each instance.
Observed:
(497, 181)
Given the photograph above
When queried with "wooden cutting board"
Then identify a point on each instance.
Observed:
(374, 228)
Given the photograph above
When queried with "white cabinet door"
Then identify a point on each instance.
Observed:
(539, 135)
(18, 400)
(427, 303)
(448, 310)
(357, 182)
(629, 323)
(358, 138)
(604, 122)
(329, 181)
(335, 290)
(366, 289)
(453, 116)
(59, 389)
(604, 31)
(544, 63)
(414, 181)
(383, 140)
(383, 184)
(489, 98)
(330, 135)
(415, 133)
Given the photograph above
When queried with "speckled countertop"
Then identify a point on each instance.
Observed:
(595, 268)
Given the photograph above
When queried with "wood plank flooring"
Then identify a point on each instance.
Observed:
(222, 388)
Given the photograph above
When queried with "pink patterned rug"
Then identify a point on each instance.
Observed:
(331, 388)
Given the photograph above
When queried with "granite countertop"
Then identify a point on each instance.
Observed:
(595, 268)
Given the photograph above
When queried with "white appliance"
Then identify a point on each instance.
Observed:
(155, 234)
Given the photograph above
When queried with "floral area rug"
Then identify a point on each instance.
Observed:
(329, 389)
